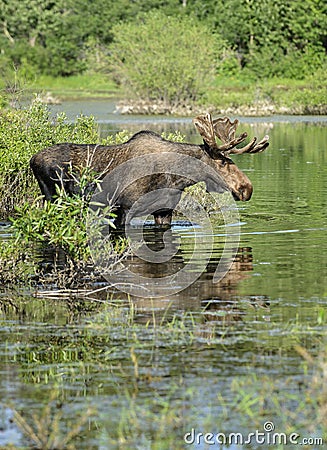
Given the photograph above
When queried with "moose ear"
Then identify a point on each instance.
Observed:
(203, 124)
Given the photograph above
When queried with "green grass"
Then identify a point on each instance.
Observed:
(237, 91)
(307, 96)
(234, 91)
(76, 87)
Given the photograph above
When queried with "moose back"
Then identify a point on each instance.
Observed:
(158, 170)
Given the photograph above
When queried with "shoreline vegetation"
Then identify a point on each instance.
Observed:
(250, 58)
(226, 97)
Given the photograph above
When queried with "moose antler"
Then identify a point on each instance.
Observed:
(205, 127)
(224, 129)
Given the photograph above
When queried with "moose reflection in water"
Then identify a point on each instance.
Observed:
(220, 296)
(218, 301)
(146, 164)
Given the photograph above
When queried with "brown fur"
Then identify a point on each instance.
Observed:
(61, 163)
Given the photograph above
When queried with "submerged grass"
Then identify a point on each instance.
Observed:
(149, 367)
(294, 404)
(44, 429)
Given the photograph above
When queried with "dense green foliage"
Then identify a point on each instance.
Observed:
(59, 227)
(60, 224)
(271, 37)
(25, 132)
(149, 71)
(60, 230)
(264, 38)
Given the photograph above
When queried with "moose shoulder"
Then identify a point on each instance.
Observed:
(152, 164)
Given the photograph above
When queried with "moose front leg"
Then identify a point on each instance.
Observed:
(163, 217)
(120, 217)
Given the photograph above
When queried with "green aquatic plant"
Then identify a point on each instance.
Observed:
(61, 226)
(145, 367)
(44, 429)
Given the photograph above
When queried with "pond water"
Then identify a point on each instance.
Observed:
(234, 356)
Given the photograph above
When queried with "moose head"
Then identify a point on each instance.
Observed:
(224, 129)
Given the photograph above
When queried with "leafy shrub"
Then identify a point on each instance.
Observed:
(273, 61)
(161, 58)
(25, 132)
(63, 227)
(63, 223)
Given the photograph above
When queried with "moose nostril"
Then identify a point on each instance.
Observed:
(245, 194)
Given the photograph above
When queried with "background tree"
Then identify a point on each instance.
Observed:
(270, 37)
(171, 59)
(42, 35)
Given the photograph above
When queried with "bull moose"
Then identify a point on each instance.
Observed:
(60, 165)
